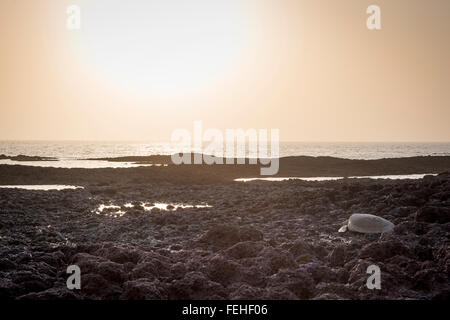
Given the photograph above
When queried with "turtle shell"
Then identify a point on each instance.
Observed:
(368, 223)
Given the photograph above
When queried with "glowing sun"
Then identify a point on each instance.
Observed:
(163, 47)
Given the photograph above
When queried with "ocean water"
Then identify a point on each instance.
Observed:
(42, 187)
(389, 177)
(72, 154)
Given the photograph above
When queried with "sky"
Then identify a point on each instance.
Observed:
(138, 70)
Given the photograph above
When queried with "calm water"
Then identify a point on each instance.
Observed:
(42, 187)
(71, 154)
(389, 177)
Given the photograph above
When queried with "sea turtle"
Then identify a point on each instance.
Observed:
(367, 223)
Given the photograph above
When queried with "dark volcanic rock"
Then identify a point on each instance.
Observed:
(381, 250)
(228, 235)
(246, 292)
(433, 215)
(143, 290)
(195, 285)
(21, 157)
(51, 294)
(247, 249)
(277, 259)
(223, 271)
(258, 240)
(301, 284)
(338, 256)
(98, 287)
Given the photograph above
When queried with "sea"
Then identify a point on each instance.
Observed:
(73, 154)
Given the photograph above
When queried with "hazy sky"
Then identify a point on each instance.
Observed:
(137, 70)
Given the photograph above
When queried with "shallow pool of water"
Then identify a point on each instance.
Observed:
(41, 187)
(116, 210)
(172, 206)
(73, 163)
(391, 177)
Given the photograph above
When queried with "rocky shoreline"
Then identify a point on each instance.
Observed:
(300, 166)
(23, 158)
(254, 240)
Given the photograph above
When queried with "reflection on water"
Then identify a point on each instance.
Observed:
(392, 177)
(104, 149)
(288, 178)
(72, 163)
(118, 211)
(398, 176)
(172, 206)
(110, 210)
(41, 187)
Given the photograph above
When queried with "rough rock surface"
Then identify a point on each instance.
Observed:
(259, 240)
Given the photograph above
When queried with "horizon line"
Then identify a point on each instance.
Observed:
(162, 141)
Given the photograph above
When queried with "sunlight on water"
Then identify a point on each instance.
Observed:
(390, 177)
(397, 176)
(112, 210)
(41, 187)
(288, 178)
(172, 206)
(67, 151)
(88, 164)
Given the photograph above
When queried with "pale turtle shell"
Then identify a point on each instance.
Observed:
(368, 223)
